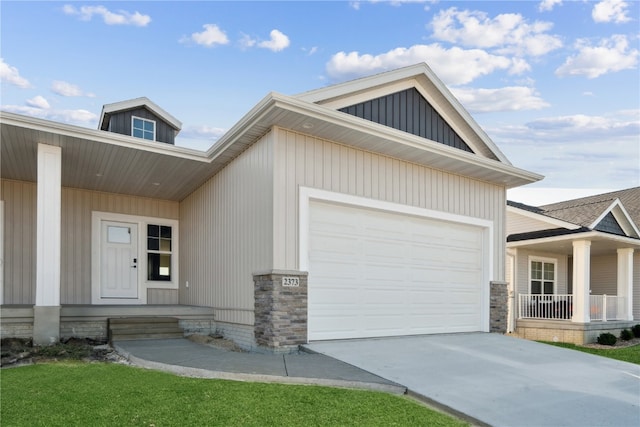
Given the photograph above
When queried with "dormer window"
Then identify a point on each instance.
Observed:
(143, 128)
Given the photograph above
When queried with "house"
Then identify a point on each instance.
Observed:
(369, 208)
(574, 267)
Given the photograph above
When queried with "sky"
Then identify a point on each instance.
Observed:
(555, 84)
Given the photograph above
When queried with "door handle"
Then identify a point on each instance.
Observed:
(135, 263)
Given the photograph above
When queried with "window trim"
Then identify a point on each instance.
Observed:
(159, 251)
(133, 118)
(543, 260)
(143, 283)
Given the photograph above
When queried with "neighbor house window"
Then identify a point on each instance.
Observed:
(159, 252)
(143, 128)
(542, 273)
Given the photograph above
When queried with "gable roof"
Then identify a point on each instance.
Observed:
(586, 210)
(163, 171)
(432, 89)
(143, 102)
(616, 212)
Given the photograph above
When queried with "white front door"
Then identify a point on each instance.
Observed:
(119, 260)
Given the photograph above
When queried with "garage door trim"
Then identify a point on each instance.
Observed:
(307, 195)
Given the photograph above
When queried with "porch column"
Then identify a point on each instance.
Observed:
(46, 313)
(625, 280)
(581, 281)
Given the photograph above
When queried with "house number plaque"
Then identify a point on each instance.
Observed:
(291, 281)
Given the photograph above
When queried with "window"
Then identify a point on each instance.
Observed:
(542, 275)
(159, 252)
(143, 128)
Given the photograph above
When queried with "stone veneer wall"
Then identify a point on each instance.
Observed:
(280, 309)
(499, 309)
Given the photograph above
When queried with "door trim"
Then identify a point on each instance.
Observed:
(143, 284)
(308, 194)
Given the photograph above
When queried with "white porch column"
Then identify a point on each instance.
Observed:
(581, 281)
(46, 313)
(625, 280)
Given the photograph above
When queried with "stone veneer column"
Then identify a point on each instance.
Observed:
(280, 309)
(499, 307)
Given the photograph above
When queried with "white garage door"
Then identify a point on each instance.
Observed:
(377, 273)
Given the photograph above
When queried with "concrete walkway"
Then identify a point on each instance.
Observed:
(184, 357)
(500, 380)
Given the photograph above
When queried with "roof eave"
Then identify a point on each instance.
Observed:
(502, 174)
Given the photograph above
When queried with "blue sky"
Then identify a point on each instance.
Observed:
(554, 83)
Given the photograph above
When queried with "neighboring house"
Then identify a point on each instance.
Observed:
(374, 207)
(574, 267)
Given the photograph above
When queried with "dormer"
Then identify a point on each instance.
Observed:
(140, 118)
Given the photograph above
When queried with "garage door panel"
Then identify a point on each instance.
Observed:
(382, 274)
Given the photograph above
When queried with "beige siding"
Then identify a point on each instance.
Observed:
(522, 270)
(522, 224)
(162, 296)
(604, 275)
(226, 235)
(77, 205)
(19, 241)
(302, 160)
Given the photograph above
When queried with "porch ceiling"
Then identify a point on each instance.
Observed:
(601, 243)
(103, 161)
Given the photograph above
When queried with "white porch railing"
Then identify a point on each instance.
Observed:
(558, 307)
(607, 307)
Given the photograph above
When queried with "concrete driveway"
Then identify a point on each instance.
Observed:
(500, 380)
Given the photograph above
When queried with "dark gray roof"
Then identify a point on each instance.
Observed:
(582, 212)
(586, 210)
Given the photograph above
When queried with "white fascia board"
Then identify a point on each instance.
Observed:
(140, 102)
(587, 235)
(621, 215)
(393, 135)
(542, 218)
(411, 72)
(99, 136)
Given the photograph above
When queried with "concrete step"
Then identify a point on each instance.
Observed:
(135, 328)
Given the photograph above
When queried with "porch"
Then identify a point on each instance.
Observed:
(550, 318)
(90, 321)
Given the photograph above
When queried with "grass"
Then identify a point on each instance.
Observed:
(626, 354)
(100, 394)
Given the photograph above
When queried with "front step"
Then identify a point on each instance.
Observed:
(139, 328)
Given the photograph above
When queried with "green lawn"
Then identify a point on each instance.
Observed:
(99, 394)
(626, 354)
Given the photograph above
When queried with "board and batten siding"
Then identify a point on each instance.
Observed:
(226, 235)
(77, 206)
(302, 160)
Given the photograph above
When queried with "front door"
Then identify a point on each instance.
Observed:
(119, 260)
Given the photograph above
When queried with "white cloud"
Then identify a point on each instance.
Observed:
(78, 117)
(121, 17)
(454, 66)
(203, 131)
(38, 102)
(576, 150)
(209, 37)
(508, 32)
(513, 98)
(247, 42)
(610, 55)
(277, 42)
(610, 11)
(548, 5)
(62, 88)
(11, 75)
